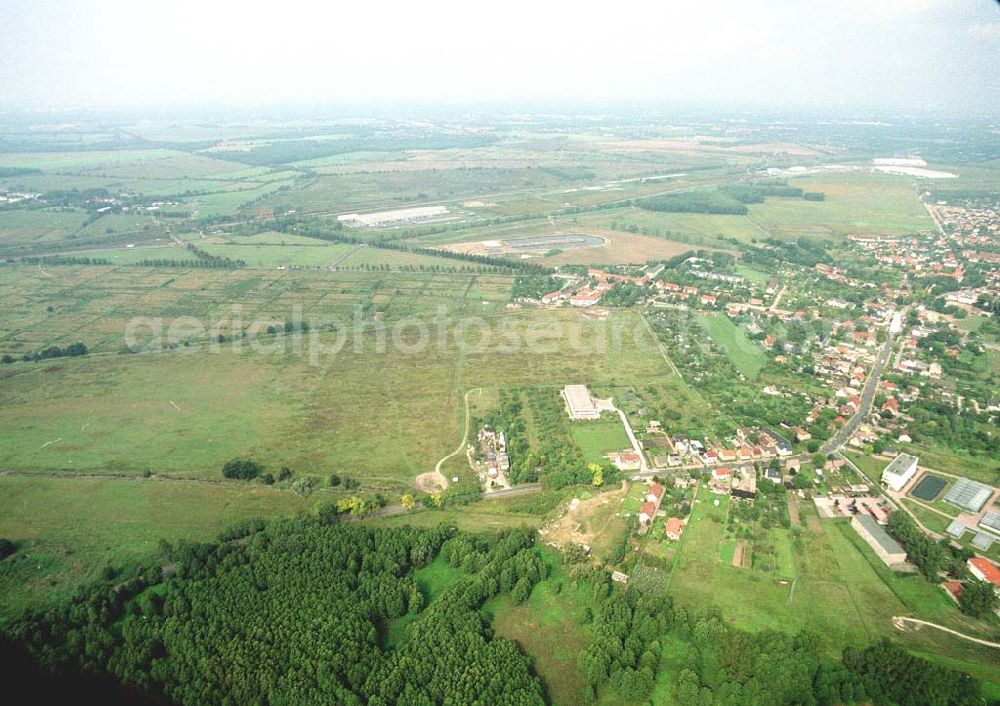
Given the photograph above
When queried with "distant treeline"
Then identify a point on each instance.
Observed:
(73, 350)
(65, 260)
(726, 200)
(337, 236)
(714, 202)
(18, 171)
(211, 260)
(285, 151)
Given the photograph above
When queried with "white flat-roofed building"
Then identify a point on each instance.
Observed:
(402, 215)
(900, 471)
(579, 403)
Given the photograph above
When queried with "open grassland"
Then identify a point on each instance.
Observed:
(371, 190)
(383, 417)
(954, 461)
(39, 225)
(697, 229)
(69, 529)
(550, 627)
(856, 202)
(96, 303)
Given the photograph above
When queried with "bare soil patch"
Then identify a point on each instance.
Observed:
(585, 522)
(431, 481)
(741, 557)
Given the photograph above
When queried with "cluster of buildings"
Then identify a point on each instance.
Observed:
(739, 482)
(588, 292)
(8, 198)
(493, 448)
(748, 446)
(673, 527)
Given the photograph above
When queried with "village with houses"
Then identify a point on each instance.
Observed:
(875, 371)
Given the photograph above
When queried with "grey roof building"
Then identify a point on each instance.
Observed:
(887, 548)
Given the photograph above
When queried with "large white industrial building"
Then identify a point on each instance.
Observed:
(383, 218)
(899, 472)
(579, 403)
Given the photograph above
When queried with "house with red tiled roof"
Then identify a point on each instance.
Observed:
(628, 461)
(891, 406)
(673, 528)
(647, 512)
(985, 570)
(655, 493)
(727, 455)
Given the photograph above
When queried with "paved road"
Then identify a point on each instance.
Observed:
(835, 442)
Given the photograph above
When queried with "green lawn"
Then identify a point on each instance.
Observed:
(68, 529)
(597, 438)
(737, 346)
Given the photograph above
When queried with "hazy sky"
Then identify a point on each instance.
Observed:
(851, 54)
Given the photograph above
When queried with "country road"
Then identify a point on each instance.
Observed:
(523, 489)
(899, 620)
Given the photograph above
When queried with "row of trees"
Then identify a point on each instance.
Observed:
(73, 350)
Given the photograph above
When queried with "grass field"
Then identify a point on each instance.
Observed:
(381, 417)
(595, 439)
(856, 202)
(734, 342)
(69, 529)
(549, 627)
(842, 591)
(95, 304)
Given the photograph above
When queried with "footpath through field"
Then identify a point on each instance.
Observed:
(900, 620)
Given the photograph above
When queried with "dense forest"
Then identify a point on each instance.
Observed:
(295, 614)
(304, 611)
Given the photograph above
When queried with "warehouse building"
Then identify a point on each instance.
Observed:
(579, 403)
(383, 218)
(899, 472)
(887, 548)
